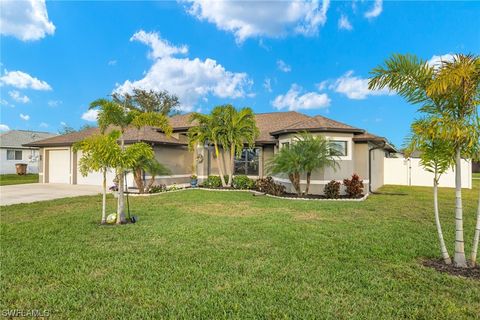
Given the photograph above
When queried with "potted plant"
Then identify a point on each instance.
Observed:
(193, 181)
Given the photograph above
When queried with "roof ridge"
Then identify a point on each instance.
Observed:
(343, 123)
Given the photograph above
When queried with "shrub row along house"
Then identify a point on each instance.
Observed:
(360, 152)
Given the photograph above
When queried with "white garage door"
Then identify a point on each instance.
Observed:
(59, 166)
(93, 178)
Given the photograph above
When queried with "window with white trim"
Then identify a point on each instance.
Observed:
(340, 147)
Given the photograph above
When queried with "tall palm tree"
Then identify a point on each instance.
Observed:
(436, 157)
(119, 114)
(205, 132)
(237, 129)
(449, 93)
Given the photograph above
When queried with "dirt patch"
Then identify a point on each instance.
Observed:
(440, 266)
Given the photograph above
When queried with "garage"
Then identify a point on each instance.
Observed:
(59, 166)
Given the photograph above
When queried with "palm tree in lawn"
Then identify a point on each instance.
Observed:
(206, 132)
(316, 154)
(288, 161)
(449, 94)
(476, 236)
(436, 157)
(99, 153)
(118, 113)
(238, 128)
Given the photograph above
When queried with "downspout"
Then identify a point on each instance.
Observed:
(370, 165)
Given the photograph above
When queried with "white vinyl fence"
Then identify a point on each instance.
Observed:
(409, 172)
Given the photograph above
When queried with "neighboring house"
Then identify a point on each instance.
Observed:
(362, 152)
(12, 150)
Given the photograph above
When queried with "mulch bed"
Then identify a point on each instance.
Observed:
(440, 266)
(316, 196)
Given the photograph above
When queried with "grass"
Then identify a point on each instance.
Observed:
(9, 179)
(476, 175)
(214, 255)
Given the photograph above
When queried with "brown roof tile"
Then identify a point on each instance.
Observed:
(147, 134)
(275, 121)
(318, 123)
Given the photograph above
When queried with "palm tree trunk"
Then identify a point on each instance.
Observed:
(137, 176)
(295, 180)
(459, 258)
(150, 183)
(476, 236)
(443, 247)
(220, 169)
(309, 175)
(232, 162)
(121, 195)
(104, 197)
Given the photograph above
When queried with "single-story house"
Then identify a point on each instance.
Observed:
(361, 152)
(13, 151)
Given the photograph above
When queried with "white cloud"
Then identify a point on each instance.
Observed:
(322, 85)
(43, 125)
(282, 66)
(267, 84)
(376, 10)
(25, 117)
(26, 20)
(262, 18)
(355, 87)
(112, 62)
(54, 103)
(4, 102)
(435, 61)
(90, 115)
(295, 100)
(18, 97)
(22, 80)
(4, 127)
(344, 23)
(190, 79)
(63, 123)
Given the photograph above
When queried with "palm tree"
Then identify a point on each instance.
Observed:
(436, 157)
(316, 154)
(119, 113)
(205, 132)
(99, 153)
(476, 236)
(306, 154)
(154, 168)
(238, 128)
(449, 93)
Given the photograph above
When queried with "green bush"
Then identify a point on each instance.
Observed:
(332, 189)
(243, 182)
(269, 186)
(158, 188)
(212, 182)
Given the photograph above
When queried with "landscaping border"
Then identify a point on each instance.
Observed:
(254, 192)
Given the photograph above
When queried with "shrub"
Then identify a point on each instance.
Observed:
(243, 182)
(354, 186)
(157, 188)
(332, 189)
(212, 182)
(269, 186)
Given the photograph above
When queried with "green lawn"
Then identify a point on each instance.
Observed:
(476, 175)
(8, 179)
(213, 255)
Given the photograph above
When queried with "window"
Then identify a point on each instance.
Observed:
(14, 155)
(340, 147)
(247, 162)
(285, 144)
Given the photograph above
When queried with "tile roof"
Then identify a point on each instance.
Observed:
(147, 134)
(16, 138)
(318, 124)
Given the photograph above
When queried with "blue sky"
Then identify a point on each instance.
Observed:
(313, 57)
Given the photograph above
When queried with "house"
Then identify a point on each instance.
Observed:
(12, 150)
(361, 152)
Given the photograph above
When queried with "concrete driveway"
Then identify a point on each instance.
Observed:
(32, 192)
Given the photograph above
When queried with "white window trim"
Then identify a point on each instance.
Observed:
(349, 146)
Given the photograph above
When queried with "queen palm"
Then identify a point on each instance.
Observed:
(119, 114)
(449, 94)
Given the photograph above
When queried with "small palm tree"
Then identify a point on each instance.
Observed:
(436, 157)
(154, 168)
(288, 161)
(450, 94)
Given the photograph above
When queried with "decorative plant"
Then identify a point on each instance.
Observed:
(157, 188)
(212, 182)
(268, 185)
(332, 189)
(193, 177)
(354, 186)
(243, 182)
